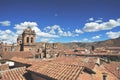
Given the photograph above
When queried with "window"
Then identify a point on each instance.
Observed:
(104, 77)
(27, 39)
(31, 39)
(38, 50)
(20, 42)
(5, 49)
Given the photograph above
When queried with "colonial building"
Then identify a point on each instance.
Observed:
(26, 42)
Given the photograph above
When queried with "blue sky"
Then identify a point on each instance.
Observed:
(60, 20)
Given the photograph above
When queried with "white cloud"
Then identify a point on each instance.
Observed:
(5, 23)
(56, 29)
(94, 26)
(8, 31)
(46, 40)
(68, 33)
(98, 21)
(20, 27)
(78, 31)
(85, 39)
(8, 36)
(76, 41)
(100, 18)
(96, 37)
(34, 26)
(53, 29)
(43, 34)
(91, 19)
(82, 40)
(51, 32)
(113, 35)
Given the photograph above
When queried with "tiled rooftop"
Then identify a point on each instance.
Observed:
(73, 52)
(66, 67)
(81, 61)
(114, 68)
(61, 68)
(4, 67)
(57, 70)
(9, 55)
(13, 74)
(69, 60)
(24, 60)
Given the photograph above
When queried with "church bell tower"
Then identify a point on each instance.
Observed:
(28, 39)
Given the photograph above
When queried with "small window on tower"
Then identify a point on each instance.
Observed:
(27, 39)
(5, 49)
(38, 50)
(20, 42)
(31, 39)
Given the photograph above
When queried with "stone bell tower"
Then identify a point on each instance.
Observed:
(28, 39)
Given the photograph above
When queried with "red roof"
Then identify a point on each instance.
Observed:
(57, 70)
(13, 74)
(114, 68)
(4, 67)
(24, 60)
(9, 55)
(68, 68)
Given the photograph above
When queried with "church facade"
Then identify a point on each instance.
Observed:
(26, 41)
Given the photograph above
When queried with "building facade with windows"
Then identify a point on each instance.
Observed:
(26, 42)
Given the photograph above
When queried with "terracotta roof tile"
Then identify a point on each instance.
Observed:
(114, 68)
(61, 68)
(4, 67)
(80, 61)
(57, 70)
(13, 74)
(9, 55)
(25, 60)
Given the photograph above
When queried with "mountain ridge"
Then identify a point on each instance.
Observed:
(105, 43)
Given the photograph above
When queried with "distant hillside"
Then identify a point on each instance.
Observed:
(71, 45)
(77, 44)
(110, 42)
